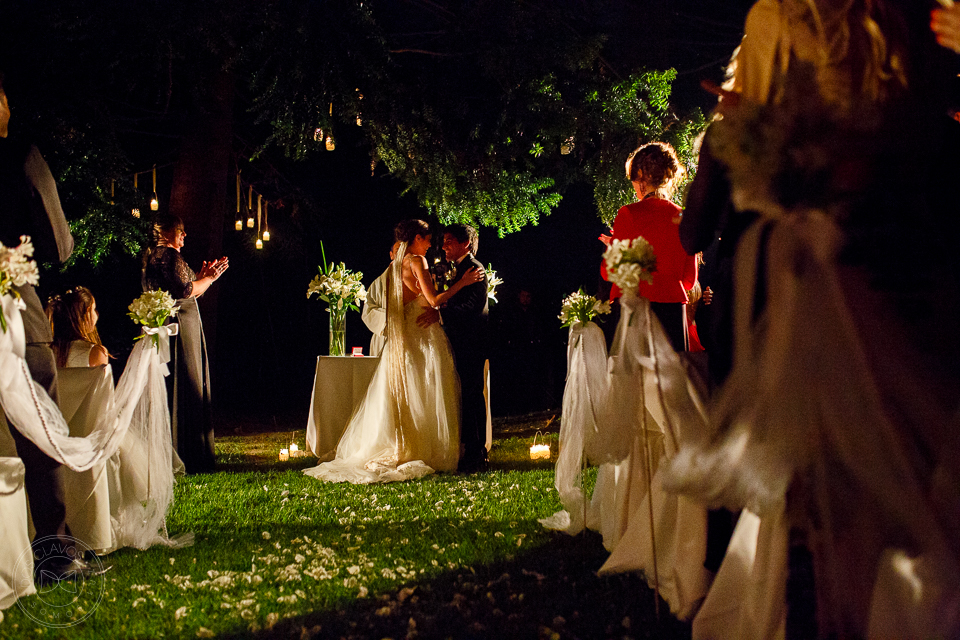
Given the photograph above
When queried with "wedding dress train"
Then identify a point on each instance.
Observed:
(407, 425)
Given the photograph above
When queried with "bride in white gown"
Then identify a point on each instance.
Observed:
(408, 424)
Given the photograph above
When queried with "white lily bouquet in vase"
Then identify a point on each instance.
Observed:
(17, 268)
(151, 310)
(629, 262)
(342, 290)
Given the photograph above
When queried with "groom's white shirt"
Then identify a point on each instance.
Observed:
(374, 312)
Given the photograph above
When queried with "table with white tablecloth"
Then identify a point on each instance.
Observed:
(339, 385)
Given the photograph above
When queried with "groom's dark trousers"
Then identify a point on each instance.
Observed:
(465, 321)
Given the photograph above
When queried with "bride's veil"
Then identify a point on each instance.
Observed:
(393, 352)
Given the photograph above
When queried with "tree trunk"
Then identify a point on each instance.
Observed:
(200, 182)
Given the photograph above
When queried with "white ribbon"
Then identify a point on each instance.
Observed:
(162, 340)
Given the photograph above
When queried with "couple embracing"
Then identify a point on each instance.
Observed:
(409, 422)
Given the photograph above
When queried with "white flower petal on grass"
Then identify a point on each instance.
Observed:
(203, 632)
(265, 534)
(179, 613)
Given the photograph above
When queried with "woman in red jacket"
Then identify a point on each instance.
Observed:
(652, 170)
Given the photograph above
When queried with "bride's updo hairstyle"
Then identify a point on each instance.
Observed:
(408, 230)
(166, 224)
(657, 164)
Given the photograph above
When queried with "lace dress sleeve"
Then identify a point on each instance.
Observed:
(167, 270)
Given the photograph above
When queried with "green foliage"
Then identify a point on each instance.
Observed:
(507, 108)
(634, 112)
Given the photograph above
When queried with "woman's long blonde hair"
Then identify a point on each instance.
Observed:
(70, 314)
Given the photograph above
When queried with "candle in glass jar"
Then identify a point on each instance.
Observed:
(284, 455)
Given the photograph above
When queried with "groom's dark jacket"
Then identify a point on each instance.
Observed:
(465, 315)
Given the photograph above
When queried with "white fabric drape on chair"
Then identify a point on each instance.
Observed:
(85, 394)
(16, 558)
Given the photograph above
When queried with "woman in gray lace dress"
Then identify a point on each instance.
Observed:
(189, 386)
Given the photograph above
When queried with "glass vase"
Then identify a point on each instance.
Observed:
(338, 333)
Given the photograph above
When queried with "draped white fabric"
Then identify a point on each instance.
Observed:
(629, 416)
(16, 558)
(135, 419)
(31, 411)
(584, 397)
(748, 596)
(817, 404)
(142, 472)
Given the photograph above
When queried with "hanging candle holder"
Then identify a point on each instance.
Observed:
(266, 226)
(250, 207)
(154, 203)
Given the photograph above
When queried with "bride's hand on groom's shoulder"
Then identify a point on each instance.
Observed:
(428, 317)
(473, 275)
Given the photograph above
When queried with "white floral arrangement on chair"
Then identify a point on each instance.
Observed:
(582, 308)
(493, 281)
(152, 309)
(17, 268)
(629, 262)
(339, 287)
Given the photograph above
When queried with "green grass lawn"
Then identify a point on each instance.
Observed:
(280, 554)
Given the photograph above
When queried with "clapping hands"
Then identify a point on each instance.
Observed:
(214, 269)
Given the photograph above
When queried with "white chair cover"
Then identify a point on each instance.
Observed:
(85, 394)
(16, 558)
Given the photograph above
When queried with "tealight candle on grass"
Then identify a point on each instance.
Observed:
(538, 451)
(284, 455)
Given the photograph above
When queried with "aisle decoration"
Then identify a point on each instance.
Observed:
(151, 310)
(629, 262)
(342, 290)
(584, 396)
(581, 308)
(16, 269)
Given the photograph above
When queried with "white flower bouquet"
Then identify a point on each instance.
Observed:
(17, 268)
(493, 281)
(629, 262)
(339, 287)
(582, 308)
(152, 309)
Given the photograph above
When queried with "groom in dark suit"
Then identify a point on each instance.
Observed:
(465, 321)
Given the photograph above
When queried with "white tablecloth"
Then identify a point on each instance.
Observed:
(338, 386)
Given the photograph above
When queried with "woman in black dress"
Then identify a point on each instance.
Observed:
(189, 386)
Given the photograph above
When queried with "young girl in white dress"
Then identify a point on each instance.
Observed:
(73, 318)
(408, 424)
